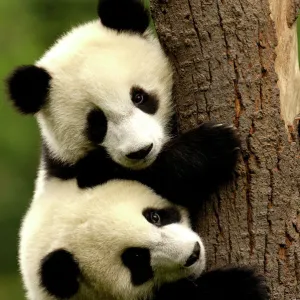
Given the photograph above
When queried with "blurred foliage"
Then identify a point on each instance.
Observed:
(27, 29)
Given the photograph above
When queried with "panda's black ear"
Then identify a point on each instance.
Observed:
(28, 88)
(59, 272)
(124, 15)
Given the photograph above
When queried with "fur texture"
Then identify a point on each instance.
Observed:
(116, 67)
(117, 14)
(29, 86)
(97, 231)
(221, 284)
(120, 241)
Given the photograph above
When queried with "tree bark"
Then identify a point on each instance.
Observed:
(236, 61)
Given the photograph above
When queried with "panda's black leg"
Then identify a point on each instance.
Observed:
(220, 284)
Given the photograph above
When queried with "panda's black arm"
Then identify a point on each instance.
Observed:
(220, 284)
(190, 166)
(194, 164)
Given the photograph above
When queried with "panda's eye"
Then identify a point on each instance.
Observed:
(155, 218)
(143, 100)
(162, 217)
(138, 98)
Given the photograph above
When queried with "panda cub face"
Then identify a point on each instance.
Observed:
(106, 83)
(116, 241)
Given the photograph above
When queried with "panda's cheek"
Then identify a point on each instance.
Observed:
(96, 127)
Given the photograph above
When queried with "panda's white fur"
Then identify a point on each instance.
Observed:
(95, 67)
(96, 225)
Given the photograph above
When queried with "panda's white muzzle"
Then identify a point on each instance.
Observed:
(135, 140)
(179, 253)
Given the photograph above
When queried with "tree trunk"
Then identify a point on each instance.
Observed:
(231, 60)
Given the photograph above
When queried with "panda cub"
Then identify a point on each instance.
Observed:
(121, 241)
(102, 99)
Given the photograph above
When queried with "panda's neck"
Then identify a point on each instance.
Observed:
(56, 168)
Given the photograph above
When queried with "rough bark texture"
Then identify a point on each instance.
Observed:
(224, 54)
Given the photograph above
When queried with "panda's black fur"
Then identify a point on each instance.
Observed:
(29, 87)
(220, 284)
(123, 17)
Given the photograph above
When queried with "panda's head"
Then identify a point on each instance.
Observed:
(106, 83)
(117, 241)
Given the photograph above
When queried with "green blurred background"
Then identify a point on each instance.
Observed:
(27, 28)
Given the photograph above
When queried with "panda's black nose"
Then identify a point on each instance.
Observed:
(194, 256)
(140, 154)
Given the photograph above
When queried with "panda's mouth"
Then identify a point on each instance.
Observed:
(130, 162)
(195, 255)
(137, 164)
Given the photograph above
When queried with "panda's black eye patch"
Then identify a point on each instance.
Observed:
(59, 273)
(162, 217)
(96, 127)
(146, 102)
(137, 260)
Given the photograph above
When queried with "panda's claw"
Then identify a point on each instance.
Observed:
(218, 125)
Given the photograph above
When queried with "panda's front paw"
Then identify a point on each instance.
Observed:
(232, 283)
(219, 146)
(221, 139)
(222, 143)
(206, 155)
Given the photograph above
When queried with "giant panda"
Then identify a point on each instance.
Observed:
(121, 241)
(102, 98)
